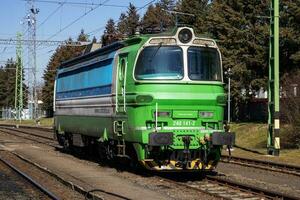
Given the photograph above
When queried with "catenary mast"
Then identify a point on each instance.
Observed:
(273, 83)
(19, 78)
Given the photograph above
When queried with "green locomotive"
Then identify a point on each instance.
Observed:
(155, 99)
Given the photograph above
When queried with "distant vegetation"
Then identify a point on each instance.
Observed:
(290, 109)
(7, 85)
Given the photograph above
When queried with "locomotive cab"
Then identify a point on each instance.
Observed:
(183, 124)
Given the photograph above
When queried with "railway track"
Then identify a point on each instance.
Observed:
(260, 164)
(223, 188)
(241, 190)
(88, 194)
(46, 136)
(29, 179)
(33, 136)
(214, 185)
(28, 134)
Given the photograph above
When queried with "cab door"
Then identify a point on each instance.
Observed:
(121, 84)
(120, 120)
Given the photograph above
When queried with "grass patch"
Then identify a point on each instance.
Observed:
(254, 136)
(250, 135)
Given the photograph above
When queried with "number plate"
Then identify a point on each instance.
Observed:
(184, 123)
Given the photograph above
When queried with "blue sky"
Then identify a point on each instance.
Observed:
(12, 13)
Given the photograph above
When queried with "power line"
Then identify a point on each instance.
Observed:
(43, 42)
(77, 19)
(51, 14)
(140, 8)
(80, 3)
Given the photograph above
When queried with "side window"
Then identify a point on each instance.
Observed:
(121, 71)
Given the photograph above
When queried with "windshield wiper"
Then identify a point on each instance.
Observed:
(154, 54)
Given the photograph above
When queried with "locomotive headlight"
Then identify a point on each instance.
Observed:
(163, 114)
(144, 99)
(185, 36)
(205, 114)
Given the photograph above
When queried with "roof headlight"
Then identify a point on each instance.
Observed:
(185, 35)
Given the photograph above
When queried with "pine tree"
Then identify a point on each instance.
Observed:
(243, 39)
(132, 20)
(2, 87)
(157, 17)
(110, 34)
(7, 84)
(199, 8)
(289, 35)
(122, 26)
(129, 22)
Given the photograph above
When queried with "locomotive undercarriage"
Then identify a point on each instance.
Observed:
(156, 157)
(168, 158)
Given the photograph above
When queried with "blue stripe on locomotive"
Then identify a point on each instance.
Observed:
(91, 80)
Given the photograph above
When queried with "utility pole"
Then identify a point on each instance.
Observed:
(229, 100)
(273, 145)
(19, 78)
(31, 22)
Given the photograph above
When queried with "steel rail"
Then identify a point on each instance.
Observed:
(261, 164)
(251, 188)
(32, 181)
(48, 129)
(229, 189)
(88, 194)
(21, 130)
(28, 138)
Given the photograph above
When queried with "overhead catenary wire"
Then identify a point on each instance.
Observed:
(51, 14)
(80, 3)
(74, 21)
(77, 19)
(140, 8)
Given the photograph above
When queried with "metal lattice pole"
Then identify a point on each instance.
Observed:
(273, 91)
(19, 78)
(31, 22)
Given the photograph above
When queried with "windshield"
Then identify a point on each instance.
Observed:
(160, 63)
(204, 64)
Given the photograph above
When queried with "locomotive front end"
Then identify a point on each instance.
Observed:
(179, 86)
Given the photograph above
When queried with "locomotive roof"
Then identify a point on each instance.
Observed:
(117, 45)
(104, 50)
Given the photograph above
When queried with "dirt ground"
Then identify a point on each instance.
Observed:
(14, 187)
(273, 181)
(110, 182)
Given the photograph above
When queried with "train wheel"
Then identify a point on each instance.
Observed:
(133, 162)
(60, 139)
(103, 151)
(68, 142)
